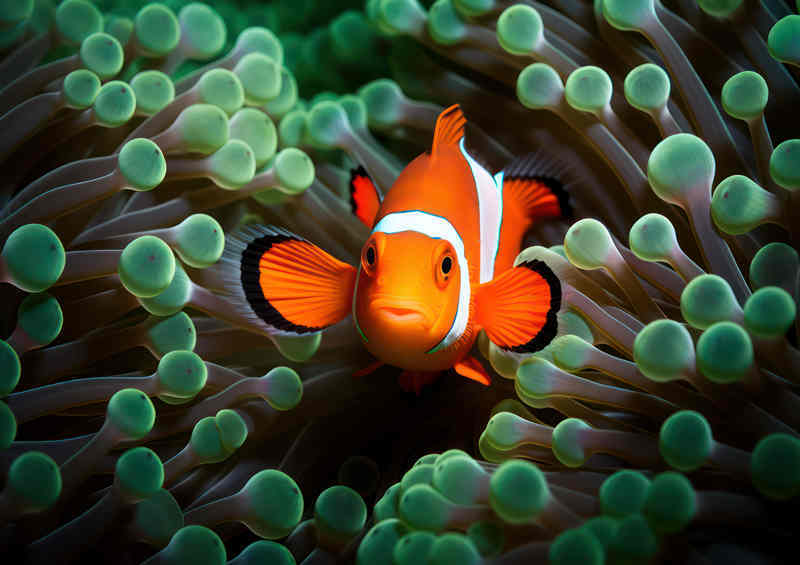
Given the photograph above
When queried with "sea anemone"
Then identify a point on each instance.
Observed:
(144, 418)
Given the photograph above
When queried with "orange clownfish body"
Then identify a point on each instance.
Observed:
(436, 268)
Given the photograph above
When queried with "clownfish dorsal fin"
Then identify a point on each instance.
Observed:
(470, 368)
(519, 308)
(285, 284)
(365, 200)
(529, 185)
(449, 129)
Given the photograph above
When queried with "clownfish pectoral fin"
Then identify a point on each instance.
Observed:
(529, 186)
(285, 284)
(449, 129)
(364, 196)
(470, 367)
(519, 308)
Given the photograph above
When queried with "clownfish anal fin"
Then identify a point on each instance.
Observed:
(470, 368)
(449, 129)
(519, 308)
(365, 200)
(414, 381)
(529, 184)
(287, 284)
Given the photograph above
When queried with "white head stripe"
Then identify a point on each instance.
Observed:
(436, 227)
(490, 213)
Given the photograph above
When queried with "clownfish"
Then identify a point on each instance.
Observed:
(436, 268)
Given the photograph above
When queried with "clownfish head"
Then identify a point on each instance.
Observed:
(408, 297)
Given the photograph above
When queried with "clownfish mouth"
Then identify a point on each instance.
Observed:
(404, 311)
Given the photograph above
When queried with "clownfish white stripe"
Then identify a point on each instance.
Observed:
(436, 227)
(490, 210)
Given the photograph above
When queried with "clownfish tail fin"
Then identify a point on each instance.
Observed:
(365, 200)
(449, 129)
(530, 184)
(284, 284)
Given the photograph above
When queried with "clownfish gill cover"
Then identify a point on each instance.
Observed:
(399, 282)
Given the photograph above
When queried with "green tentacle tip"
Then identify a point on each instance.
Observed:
(536, 378)
(725, 353)
(444, 23)
(567, 444)
(14, 12)
(633, 542)
(356, 111)
(292, 128)
(671, 503)
(328, 124)
(378, 545)
(518, 491)
(260, 40)
(488, 538)
(417, 475)
(233, 165)
(131, 412)
(739, 205)
(588, 244)
(576, 547)
(474, 8)
(202, 30)
(647, 87)
(588, 89)
(769, 312)
(520, 29)
(120, 27)
(708, 299)
(142, 164)
(653, 238)
(157, 30)
(298, 348)
(384, 101)
(719, 8)
(414, 548)
(34, 257)
(386, 507)
(782, 40)
(628, 15)
(459, 479)
(8, 426)
(453, 549)
(603, 528)
(34, 481)
(146, 266)
(80, 88)
(423, 508)
(157, 518)
(40, 316)
(276, 504)
(264, 551)
(570, 352)
(623, 493)
(775, 466)
(784, 164)
(505, 431)
(663, 351)
(287, 97)
(539, 86)
(775, 264)
(192, 544)
(400, 16)
(744, 95)
(215, 438)
(172, 334)
(294, 169)
(199, 241)
(261, 78)
(256, 129)
(679, 165)
(10, 368)
(77, 19)
(173, 299)
(685, 440)
(115, 104)
(181, 375)
(232, 429)
(203, 128)
(139, 472)
(102, 54)
(153, 90)
(284, 388)
(340, 513)
(222, 88)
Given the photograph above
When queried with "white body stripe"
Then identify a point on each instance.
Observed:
(436, 227)
(490, 209)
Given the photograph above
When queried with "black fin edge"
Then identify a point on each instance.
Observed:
(524, 167)
(550, 328)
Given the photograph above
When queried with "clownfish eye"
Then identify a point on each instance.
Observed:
(370, 255)
(447, 264)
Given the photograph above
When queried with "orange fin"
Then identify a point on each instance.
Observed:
(449, 128)
(470, 367)
(364, 196)
(371, 368)
(518, 309)
(528, 184)
(290, 285)
(414, 381)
